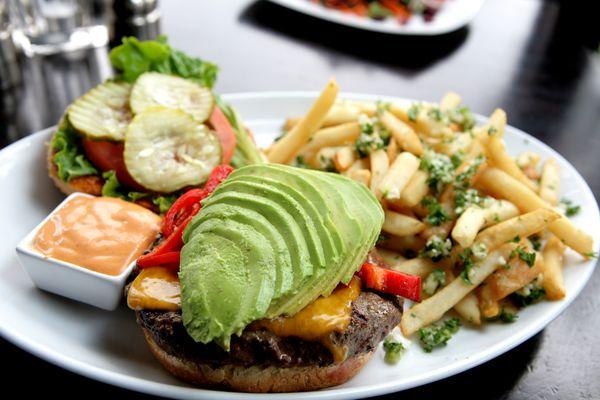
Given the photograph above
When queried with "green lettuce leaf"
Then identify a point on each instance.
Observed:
(246, 152)
(69, 158)
(134, 57)
(113, 188)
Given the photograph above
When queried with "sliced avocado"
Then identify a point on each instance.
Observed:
(227, 280)
(244, 215)
(280, 219)
(328, 224)
(351, 218)
(293, 208)
(291, 180)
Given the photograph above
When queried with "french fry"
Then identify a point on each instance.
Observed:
(392, 150)
(450, 101)
(338, 135)
(340, 113)
(391, 257)
(495, 125)
(379, 167)
(415, 266)
(397, 176)
(421, 122)
(553, 281)
(401, 225)
(501, 185)
(475, 218)
(402, 134)
(488, 307)
(498, 157)
(324, 157)
(344, 158)
(550, 182)
(522, 226)
(433, 308)
(504, 281)
(360, 175)
(287, 147)
(361, 163)
(415, 190)
(528, 161)
(468, 309)
(441, 231)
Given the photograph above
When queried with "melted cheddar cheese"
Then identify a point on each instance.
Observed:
(155, 288)
(158, 289)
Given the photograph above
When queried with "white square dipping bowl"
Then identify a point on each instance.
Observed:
(67, 279)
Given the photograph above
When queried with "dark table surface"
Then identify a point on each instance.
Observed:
(532, 58)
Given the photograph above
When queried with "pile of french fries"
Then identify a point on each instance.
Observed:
(471, 256)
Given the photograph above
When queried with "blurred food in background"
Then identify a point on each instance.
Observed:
(401, 10)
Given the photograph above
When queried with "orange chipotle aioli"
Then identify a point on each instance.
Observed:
(103, 234)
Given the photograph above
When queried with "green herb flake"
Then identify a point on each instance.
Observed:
(438, 335)
(436, 248)
(437, 215)
(413, 112)
(570, 209)
(524, 255)
(393, 350)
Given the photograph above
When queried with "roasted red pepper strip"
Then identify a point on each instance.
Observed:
(186, 205)
(218, 175)
(171, 244)
(168, 260)
(391, 282)
(189, 203)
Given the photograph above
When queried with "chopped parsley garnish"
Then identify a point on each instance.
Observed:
(438, 335)
(465, 198)
(436, 248)
(457, 159)
(524, 255)
(591, 254)
(301, 163)
(516, 239)
(434, 280)
(435, 113)
(529, 294)
(413, 112)
(463, 180)
(569, 208)
(439, 168)
(393, 350)
(492, 130)
(382, 238)
(437, 215)
(373, 137)
(463, 117)
(504, 316)
(467, 259)
(536, 242)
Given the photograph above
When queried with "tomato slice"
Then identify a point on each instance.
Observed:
(224, 132)
(107, 156)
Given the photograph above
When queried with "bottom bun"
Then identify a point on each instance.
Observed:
(258, 379)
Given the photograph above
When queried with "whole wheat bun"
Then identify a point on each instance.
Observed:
(90, 184)
(258, 379)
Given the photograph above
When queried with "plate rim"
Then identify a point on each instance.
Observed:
(167, 390)
(335, 16)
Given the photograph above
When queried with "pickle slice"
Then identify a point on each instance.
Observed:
(166, 150)
(103, 112)
(155, 89)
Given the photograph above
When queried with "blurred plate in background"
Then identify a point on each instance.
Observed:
(453, 15)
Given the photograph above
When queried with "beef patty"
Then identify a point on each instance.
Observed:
(373, 317)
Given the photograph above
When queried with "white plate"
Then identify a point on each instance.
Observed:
(109, 347)
(453, 15)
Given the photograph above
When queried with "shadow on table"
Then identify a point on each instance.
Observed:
(412, 53)
(492, 380)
